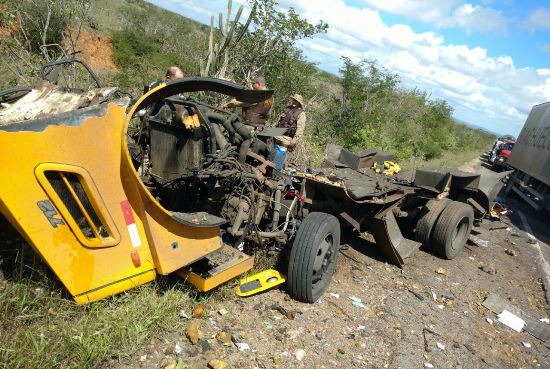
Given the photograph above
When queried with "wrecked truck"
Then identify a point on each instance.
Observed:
(111, 194)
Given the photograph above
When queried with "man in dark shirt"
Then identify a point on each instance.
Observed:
(294, 120)
(253, 114)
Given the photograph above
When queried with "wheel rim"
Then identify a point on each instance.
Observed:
(459, 233)
(323, 260)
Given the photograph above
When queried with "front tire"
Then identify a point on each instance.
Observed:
(312, 259)
(452, 229)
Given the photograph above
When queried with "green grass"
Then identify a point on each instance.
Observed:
(451, 160)
(41, 327)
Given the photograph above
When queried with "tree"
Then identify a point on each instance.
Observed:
(34, 24)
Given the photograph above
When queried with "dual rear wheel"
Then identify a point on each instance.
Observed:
(445, 226)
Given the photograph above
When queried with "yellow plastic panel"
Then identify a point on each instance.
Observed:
(142, 236)
(91, 192)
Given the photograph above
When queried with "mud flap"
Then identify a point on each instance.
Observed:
(388, 237)
(489, 185)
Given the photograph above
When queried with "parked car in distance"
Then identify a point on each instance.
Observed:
(502, 153)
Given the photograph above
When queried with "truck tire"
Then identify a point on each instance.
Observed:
(312, 258)
(452, 229)
(428, 218)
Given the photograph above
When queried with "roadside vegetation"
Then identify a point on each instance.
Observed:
(365, 107)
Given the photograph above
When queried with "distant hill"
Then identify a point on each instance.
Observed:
(459, 121)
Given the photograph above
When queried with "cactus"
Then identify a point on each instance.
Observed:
(216, 62)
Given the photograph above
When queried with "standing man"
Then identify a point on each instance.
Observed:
(173, 73)
(294, 120)
(253, 114)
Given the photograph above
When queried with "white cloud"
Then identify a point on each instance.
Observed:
(486, 90)
(475, 18)
(538, 19)
(445, 14)
(429, 11)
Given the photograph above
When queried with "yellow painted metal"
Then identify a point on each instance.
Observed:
(259, 282)
(173, 245)
(390, 167)
(228, 271)
(94, 197)
(96, 151)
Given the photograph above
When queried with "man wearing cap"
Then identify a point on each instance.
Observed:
(253, 114)
(294, 120)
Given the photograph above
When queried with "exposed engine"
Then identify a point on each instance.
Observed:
(195, 158)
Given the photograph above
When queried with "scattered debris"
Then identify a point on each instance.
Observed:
(243, 346)
(526, 344)
(183, 314)
(356, 301)
(509, 241)
(489, 320)
(143, 358)
(224, 337)
(426, 344)
(536, 328)
(545, 320)
(335, 295)
(469, 348)
(180, 365)
(289, 314)
(510, 320)
(218, 364)
(300, 354)
(441, 307)
(416, 294)
(499, 209)
(474, 240)
(222, 312)
(358, 304)
(441, 271)
(510, 252)
(168, 363)
(177, 349)
(488, 268)
(198, 311)
(440, 345)
(499, 227)
(532, 241)
(193, 333)
(428, 365)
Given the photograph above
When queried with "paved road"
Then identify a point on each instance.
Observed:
(522, 216)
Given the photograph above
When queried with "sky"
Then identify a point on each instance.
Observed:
(490, 59)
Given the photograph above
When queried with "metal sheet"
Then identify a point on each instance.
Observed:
(531, 153)
(195, 84)
(536, 328)
(388, 237)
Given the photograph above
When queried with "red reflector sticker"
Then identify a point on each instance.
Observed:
(135, 259)
(127, 211)
(130, 223)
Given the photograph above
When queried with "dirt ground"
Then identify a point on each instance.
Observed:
(398, 325)
(96, 50)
